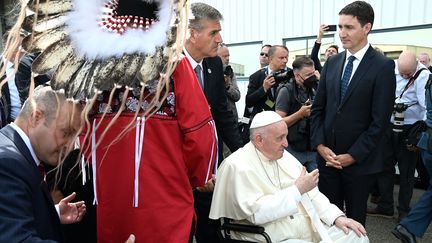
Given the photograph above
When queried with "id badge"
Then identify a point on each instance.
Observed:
(269, 103)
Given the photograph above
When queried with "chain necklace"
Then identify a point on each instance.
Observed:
(265, 171)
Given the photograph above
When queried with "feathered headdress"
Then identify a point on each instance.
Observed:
(93, 46)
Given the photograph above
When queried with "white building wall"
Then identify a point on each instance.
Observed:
(248, 24)
(270, 21)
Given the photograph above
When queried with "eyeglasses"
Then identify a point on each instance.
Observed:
(263, 54)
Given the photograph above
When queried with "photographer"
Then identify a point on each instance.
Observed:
(411, 78)
(294, 103)
(232, 90)
(262, 88)
(330, 51)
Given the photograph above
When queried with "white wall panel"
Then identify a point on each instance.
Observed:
(272, 20)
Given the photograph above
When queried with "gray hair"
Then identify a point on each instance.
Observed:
(253, 132)
(45, 99)
(272, 50)
(202, 11)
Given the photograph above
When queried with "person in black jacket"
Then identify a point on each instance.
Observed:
(201, 50)
(262, 88)
(350, 113)
(330, 51)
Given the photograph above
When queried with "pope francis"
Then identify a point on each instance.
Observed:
(262, 184)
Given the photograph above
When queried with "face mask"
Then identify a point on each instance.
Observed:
(310, 82)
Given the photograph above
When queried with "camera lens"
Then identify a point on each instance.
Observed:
(398, 123)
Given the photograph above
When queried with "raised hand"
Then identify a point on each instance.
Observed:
(71, 212)
(307, 181)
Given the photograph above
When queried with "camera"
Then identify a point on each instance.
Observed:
(281, 76)
(228, 71)
(399, 116)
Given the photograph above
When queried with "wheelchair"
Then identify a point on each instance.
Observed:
(226, 227)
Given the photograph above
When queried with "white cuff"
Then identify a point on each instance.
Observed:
(57, 208)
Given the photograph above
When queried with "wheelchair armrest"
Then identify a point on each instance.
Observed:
(243, 228)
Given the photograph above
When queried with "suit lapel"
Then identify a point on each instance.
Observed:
(339, 64)
(207, 77)
(360, 72)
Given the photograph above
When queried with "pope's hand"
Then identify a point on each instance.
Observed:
(346, 224)
(307, 181)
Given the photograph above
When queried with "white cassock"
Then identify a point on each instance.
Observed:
(250, 189)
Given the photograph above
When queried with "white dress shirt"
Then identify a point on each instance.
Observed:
(414, 95)
(13, 90)
(358, 57)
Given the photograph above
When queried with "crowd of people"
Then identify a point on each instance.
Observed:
(165, 160)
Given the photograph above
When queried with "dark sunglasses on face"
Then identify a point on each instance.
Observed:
(263, 54)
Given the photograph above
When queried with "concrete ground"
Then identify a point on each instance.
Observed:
(379, 229)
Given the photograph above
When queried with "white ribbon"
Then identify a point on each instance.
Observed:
(316, 221)
(93, 143)
(83, 164)
(139, 141)
(83, 171)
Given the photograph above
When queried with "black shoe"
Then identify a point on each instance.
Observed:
(379, 213)
(403, 234)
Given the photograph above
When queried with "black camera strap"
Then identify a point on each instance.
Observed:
(411, 81)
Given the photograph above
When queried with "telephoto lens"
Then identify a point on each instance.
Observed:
(399, 116)
(398, 121)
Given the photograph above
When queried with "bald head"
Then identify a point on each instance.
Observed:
(224, 54)
(424, 59)
(407, 64)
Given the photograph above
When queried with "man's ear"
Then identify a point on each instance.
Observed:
(193, 34)
(36, 117)
(258, 140)
(367, 27)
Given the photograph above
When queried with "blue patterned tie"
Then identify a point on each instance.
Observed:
(346, 77)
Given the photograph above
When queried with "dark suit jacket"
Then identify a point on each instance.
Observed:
(356, 124)
(256, 97)
(27, 212)
(215, 92)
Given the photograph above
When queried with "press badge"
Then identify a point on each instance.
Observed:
(269, 103)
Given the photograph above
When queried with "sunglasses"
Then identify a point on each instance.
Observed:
(263, 54)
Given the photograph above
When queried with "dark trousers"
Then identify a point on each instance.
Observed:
(206, 228)
(346, 190)
(396, 152)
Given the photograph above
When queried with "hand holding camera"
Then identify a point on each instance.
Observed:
(268, 82)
